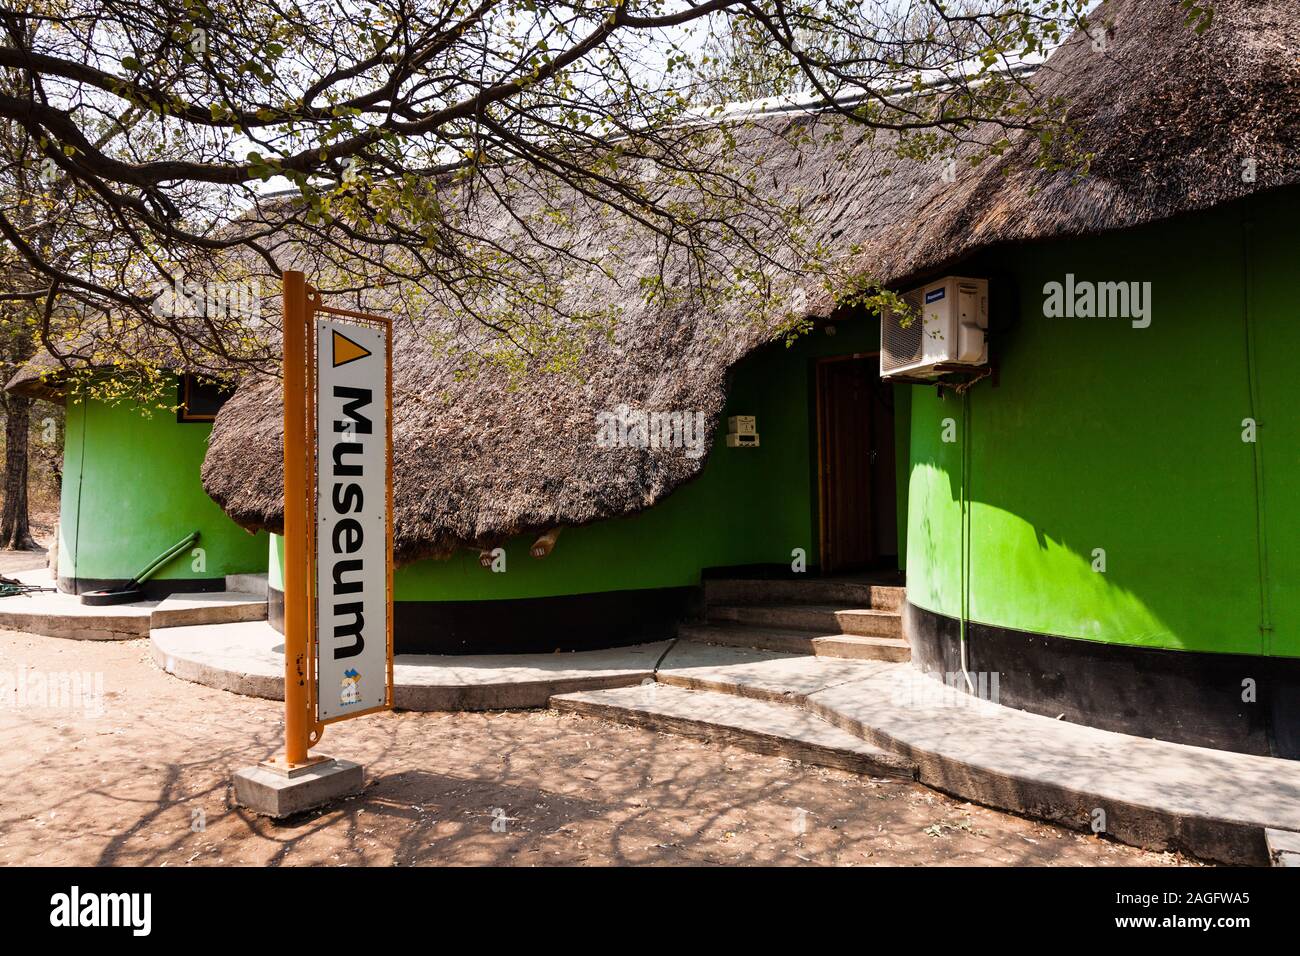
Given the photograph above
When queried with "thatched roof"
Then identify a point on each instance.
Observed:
(39, 378)
(1168, 115)
(44, 376)
(49, 378)
(91, 343)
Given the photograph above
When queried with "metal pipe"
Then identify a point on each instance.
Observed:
(965, 540)
(162, 559)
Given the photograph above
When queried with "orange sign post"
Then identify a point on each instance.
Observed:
(337, 605)
(298, 530)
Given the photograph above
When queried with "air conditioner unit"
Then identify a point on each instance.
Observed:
(949, 318)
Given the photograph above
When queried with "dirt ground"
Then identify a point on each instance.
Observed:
(143, 778)
(11, 561)
(42, 524)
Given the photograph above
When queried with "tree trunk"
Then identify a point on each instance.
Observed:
(15, 523)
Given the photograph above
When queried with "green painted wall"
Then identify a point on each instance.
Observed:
(1100, 435)
(131, 489)
(748, 505)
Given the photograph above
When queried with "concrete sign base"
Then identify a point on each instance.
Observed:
(275, 793)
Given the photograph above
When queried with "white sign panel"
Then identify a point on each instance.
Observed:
(351, 519)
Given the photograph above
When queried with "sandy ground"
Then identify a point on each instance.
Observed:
(43, 532)
(147, 782)
(11, 561)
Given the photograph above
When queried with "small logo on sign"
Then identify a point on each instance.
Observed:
(345, 350)
(934, 295)
(350, 692)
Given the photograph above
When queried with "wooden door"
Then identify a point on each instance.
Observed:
(856, 465)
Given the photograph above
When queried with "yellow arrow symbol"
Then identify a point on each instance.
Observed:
(345, 350)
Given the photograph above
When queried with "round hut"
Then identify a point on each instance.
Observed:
(1096, 528)
(131, 490)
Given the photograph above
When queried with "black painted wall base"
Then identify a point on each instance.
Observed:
(571, 622)
(1184, 696)
(783, 572)
(154, 590)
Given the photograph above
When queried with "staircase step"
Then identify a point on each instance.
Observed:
(851, 593)
(822, 618)
(208, 607)
(758, 726)
(847, 646)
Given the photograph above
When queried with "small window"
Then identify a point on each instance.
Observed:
(199, 398)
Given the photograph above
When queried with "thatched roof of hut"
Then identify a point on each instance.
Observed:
(1169, 117)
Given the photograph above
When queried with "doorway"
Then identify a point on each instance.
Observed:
(858, 501)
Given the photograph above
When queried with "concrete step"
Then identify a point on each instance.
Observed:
(821, 618)
(248, 583)
(847, 646)
(754, 725)
(248, 658)
(62, 615)
(208, 607)
(1214, 804)
(851, 593)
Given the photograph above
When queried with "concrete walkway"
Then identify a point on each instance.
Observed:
(755, 725)
(249, 659)
(56, 614)
(1214, 804)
